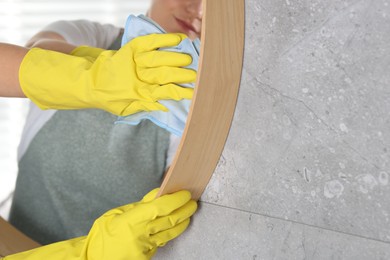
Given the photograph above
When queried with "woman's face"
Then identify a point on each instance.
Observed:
(178, 16)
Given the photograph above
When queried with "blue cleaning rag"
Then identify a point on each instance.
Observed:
(175, 119)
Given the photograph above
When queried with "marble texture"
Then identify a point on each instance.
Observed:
(230, 234)
(305, 170)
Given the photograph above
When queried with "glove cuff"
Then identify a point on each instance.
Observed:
(86, 51)
(54, 80)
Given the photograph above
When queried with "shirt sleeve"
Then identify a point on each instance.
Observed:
(84, 32)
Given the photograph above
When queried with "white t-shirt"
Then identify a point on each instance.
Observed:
(78, 32)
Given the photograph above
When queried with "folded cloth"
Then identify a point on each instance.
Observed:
(175, 119)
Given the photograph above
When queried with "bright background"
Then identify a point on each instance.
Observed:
(21, 19)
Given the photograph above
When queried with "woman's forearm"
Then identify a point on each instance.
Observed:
(54, 45)
(50, 41)
(11, 58)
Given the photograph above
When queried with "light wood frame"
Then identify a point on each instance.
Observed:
(210, 115)
(214, 102)
(12, 240)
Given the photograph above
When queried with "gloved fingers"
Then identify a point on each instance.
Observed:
(165, 75)
(151, 195)
(117, 211)
(151, 253)
(154, 41)
(173, 219)
(161, 238)
(139, 106)
(162, 206)
(152, 59)
(172, 91)
(166, 204)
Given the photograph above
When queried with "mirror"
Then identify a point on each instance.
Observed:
(204, 135)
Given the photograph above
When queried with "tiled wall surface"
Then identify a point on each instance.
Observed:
(305, 171)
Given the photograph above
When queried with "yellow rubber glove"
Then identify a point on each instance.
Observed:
(133, 231)
(91, 53)
(122, 82)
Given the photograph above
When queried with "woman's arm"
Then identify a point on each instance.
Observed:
(52, 79)
(133, 231)
(11, 58)
(50, 41)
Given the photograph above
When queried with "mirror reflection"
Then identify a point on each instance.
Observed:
(109, 105)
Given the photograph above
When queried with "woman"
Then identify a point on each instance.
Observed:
(54, 198)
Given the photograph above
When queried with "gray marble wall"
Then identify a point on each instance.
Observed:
(305, 171)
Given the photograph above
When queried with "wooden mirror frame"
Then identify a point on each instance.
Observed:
(13, 241)
(210, 115)
(215, 98)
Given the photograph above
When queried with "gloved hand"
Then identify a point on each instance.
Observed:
(122, 82)
(133, 231)
(91, 53)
